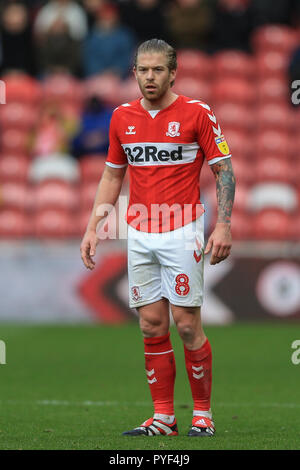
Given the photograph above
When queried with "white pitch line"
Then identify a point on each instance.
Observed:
(137, 403)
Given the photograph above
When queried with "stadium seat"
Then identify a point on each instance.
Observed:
(22, 88)
(271, 64)
(274, 37)
(56, 194)
(234, 116)
(195, 64)
(88, 191)
(52, 223)
(270, 195)
(241, 225)
(105, 86)
(129, 91)
(274, 116)
(273, 168)
(233, 64)
(14, 141)
(62, 88)
(240, 143)
(15, 195)
(273, 143)
(273, 90)
(193, 88)
(14, 167)
(234, 91)
(92, 167)
(243, 171)
(271, 224)
(14, 224)
(57, 166)
(18, 116)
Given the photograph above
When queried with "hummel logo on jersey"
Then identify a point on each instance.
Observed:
(130, 130)
(173, 129)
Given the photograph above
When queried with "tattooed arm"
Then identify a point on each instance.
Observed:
(220, 240)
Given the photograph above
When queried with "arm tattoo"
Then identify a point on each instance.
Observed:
(225, 183)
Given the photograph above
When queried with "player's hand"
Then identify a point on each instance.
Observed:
(88, 249)
(219, 243)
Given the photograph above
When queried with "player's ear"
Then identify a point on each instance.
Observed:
(172, 76)
(134, 71)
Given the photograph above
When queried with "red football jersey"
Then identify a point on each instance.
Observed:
(165, 154)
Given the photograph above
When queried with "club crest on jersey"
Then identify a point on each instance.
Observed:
(135, 293)
(173, 128)
(222, 144)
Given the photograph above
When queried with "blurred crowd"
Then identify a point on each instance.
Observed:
(92, 36)
(66, 64)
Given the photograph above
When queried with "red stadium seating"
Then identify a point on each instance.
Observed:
(106, 87)
(15, 195)
(14, 224)
(14, 141)
(87, 194)
(92, 167)
(272, 194)
(272, 168)
(129, 91)
(274, 116)
(22, 88)
(243, 171)
(240, 143)
(241, 196)
(234, 116)
(273, 90)
(272, 143)
(271, 224)
(273, 37)
(51, 223)
(56, 194)
(194, 64)
(234, 64)
(14, 167)
(193, 88)
(241, 226)
(271, 64)
(18, 116)
(62, 88)
(234, 91)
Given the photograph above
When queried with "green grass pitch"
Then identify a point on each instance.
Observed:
(80, 387)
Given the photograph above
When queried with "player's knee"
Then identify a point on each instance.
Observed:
(151, 328)
(186, 332)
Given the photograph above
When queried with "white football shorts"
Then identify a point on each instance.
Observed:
(168, 264)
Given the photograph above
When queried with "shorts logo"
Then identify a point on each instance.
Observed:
(135, 293)
(182, 284)
(173, 129)
(199, 247)
(222, 144)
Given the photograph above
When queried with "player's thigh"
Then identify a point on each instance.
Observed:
(154, 318)
(144, 274)
(182, 270)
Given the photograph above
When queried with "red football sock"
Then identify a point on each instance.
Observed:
(198, 365)
(161, 371)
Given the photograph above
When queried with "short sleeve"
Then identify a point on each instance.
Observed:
(116, 157)
(210, 137)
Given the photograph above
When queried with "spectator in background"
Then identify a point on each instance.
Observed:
(50, 135)
(16, 39)
(60, 27)
(91, 8)
(270, 11)
(189, 23)
(109, 46)
(232, 25)
(145, 18)
(92, 135)
(67, 12)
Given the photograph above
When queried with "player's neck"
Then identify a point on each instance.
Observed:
(161, 103)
